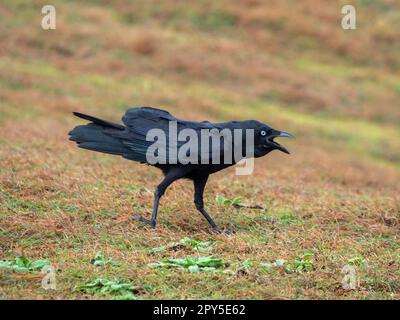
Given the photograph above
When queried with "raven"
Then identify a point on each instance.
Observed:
(132, 142)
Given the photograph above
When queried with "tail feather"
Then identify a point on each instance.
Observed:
(97, 136)
(99, 121)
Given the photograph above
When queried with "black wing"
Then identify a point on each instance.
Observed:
(139, 121)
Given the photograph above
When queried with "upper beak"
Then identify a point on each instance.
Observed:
(286, 135)
(278, 146)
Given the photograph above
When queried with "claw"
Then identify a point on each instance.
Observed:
(151, 223)
(220, 231)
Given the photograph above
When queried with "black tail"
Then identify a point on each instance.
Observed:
(99, 121)
(99, 135)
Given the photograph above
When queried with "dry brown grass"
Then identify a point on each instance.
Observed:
(336, 196)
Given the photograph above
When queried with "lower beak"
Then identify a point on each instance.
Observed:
(279, 134)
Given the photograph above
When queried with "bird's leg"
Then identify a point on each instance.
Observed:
(199, 185)
(152, 222)
(160, 190)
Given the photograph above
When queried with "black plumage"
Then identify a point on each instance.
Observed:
(129, 141)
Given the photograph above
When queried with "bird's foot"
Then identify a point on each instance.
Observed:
(217, 230)
(151, 223)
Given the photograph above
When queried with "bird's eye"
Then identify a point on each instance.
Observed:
(263, 133)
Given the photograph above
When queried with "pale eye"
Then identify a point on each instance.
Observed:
(263, 133)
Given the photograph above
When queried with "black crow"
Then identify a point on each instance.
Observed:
(134, 139)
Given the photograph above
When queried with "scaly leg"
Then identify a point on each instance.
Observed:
(199, 185)
(171, 176)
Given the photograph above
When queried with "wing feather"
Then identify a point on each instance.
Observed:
(139, 121)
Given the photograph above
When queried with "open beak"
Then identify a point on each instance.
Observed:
(276, 145)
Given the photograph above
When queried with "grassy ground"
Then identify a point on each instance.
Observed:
(333, 202)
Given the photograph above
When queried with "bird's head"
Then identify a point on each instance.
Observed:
(264, 139)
